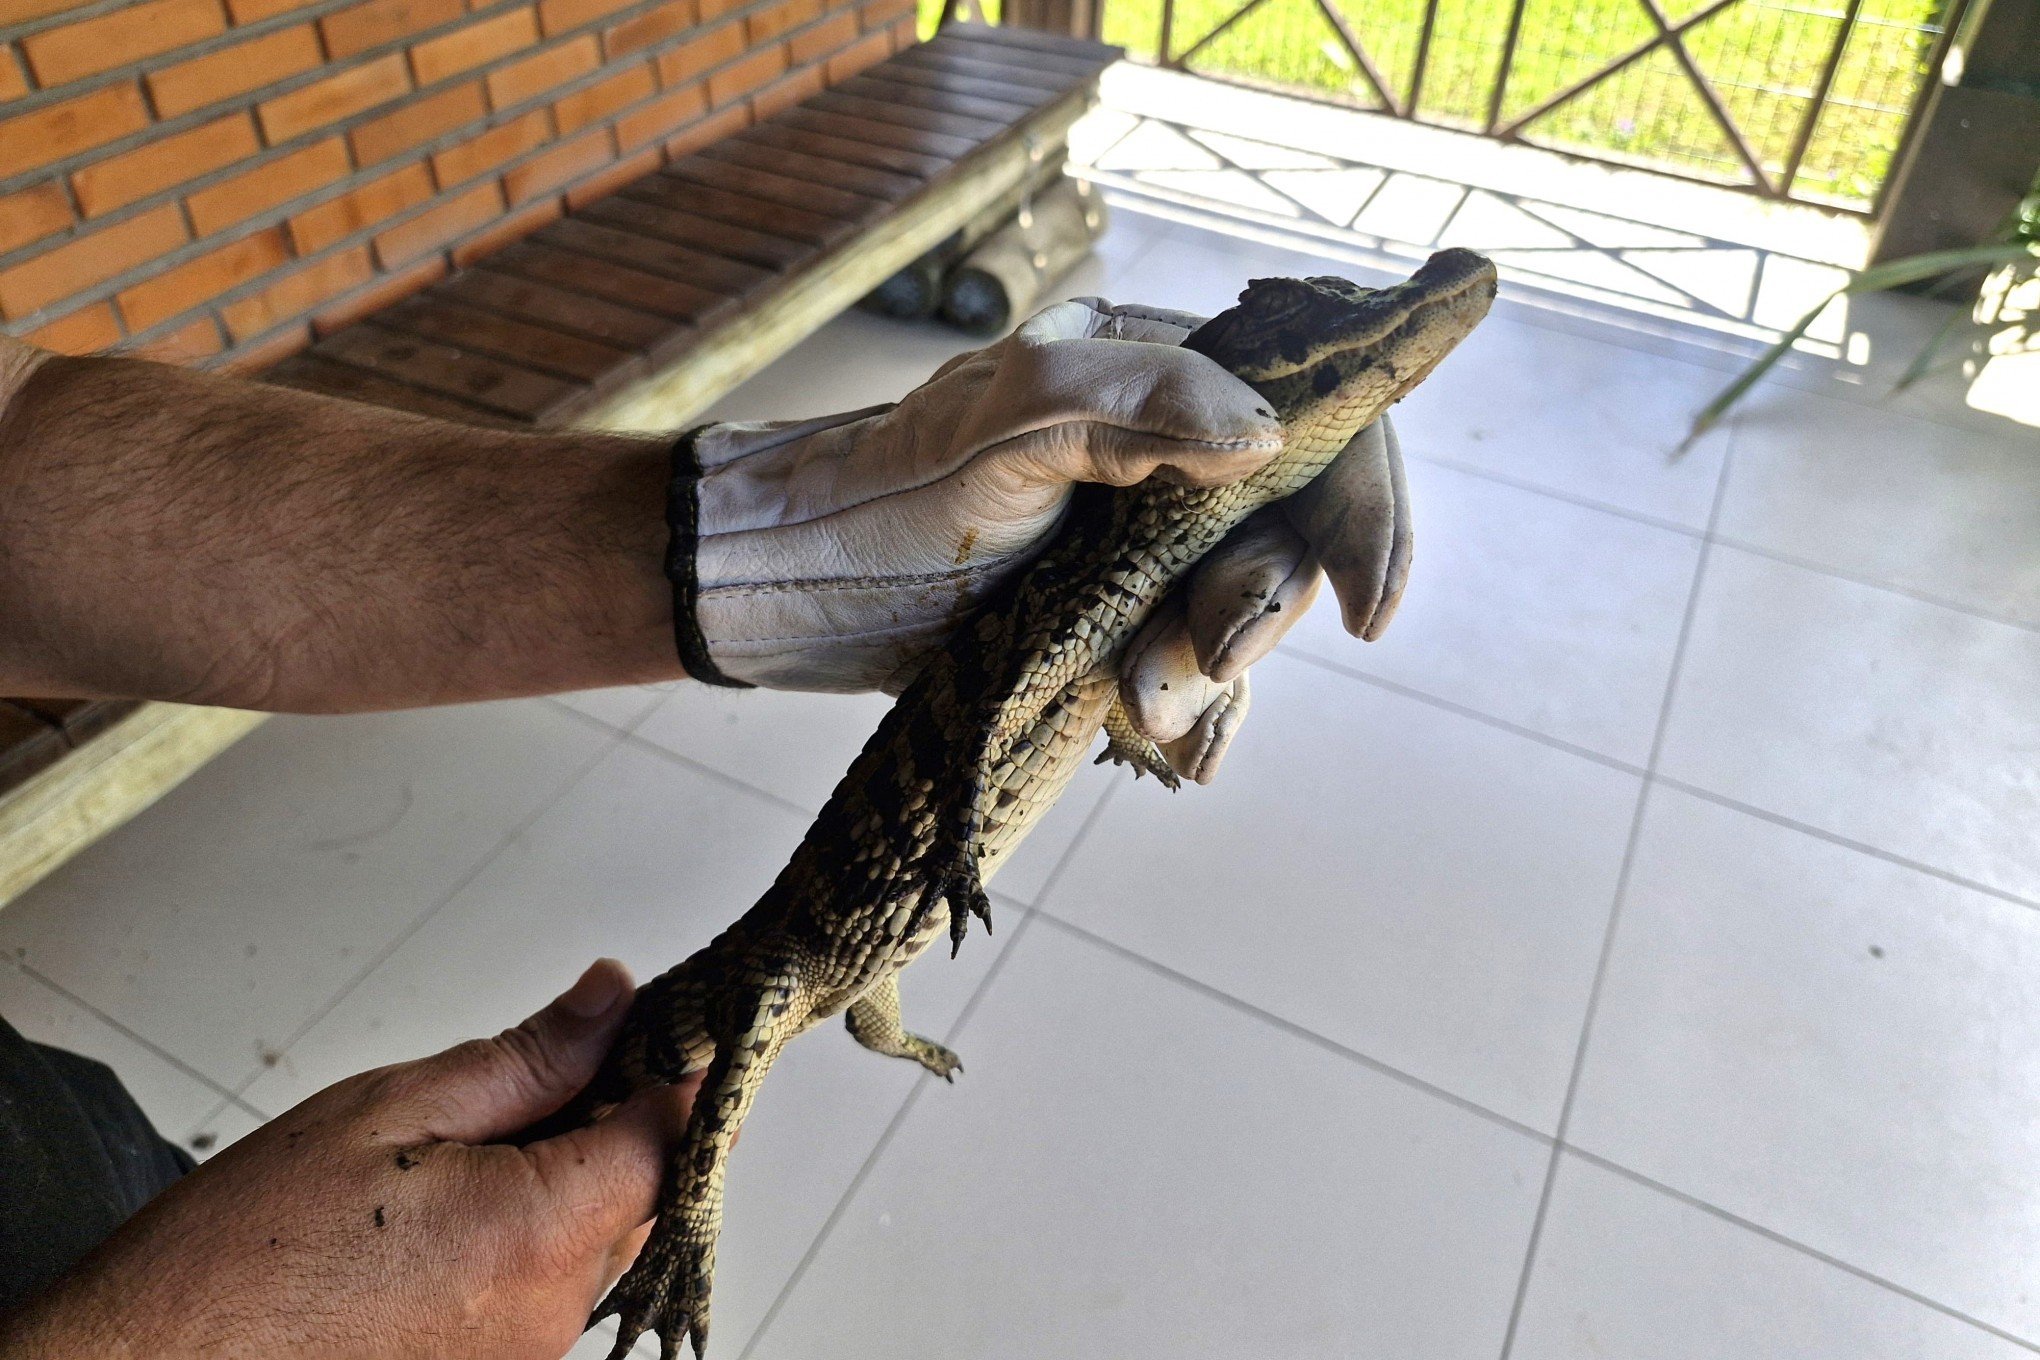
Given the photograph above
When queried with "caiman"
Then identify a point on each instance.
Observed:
(977, 748)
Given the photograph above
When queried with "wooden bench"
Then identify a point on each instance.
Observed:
(636, 311)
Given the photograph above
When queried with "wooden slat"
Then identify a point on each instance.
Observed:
(310, 372)
(612, 282)
(489, 383)
(859, 179)
(799, 194)
(929, 97)
(781, 134)
(1059, 45)
(982, 81)
(965, 62)
(650, 210)
(1080, 69)
(570, 312)
(974, 130)
(499, 337)
(682, 264)
(877, 133)
(773, 218)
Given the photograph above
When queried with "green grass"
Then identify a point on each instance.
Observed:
(1762, 57)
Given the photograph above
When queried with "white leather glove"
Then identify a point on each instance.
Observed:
(832, 553)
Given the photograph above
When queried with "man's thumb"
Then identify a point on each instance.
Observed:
(488, 1089)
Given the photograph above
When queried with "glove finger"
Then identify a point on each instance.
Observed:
(1160, 686)
(1356, 517)
(1248, 592)
(1197, 753)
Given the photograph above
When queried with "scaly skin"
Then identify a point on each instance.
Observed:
(977, 748)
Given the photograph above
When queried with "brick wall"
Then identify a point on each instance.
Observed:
(218, 181)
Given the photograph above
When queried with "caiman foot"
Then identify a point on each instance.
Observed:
(874, 1021)
(1126, 744)
(665, 1292)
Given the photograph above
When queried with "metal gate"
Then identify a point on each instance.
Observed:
(1792, 99)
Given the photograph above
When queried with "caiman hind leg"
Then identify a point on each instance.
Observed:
(666, 1290)
(1126, 744)
(874, 1021)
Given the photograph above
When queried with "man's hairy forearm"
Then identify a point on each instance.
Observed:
(168, 534)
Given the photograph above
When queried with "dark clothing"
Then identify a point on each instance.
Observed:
(77, 1158)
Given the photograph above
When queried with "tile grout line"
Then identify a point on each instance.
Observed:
(1622, 881)
(419, 922)
(955, 1030)
(1773, 1235)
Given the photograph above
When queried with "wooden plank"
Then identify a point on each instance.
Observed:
(570, 312)
(974, 130)
(682, 264)
(877, 133)
(612, 282)
(772, 218)
(1082, 69)
(800, 195)
(781, 134)
(1061, 45)
(651, 211)
(982, 81)
(537, 348)
(311, 373)
(966, 62)
(859, 179)
(94, 789)
(488, 383)
(726, 356)
(942, 101)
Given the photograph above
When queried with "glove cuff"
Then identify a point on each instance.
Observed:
(683, 523)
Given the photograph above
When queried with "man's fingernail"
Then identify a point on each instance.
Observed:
(596, 991)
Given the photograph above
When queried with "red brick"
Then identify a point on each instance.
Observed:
(654, 120)
(21, 11)
(324, 102)
(316, 228)
(78, 265)
(120, 38)
(879, 13)
(905, 33)
(763, 25)
(33, 214)
(615, 177)
(254, 358)
(234, 70)
(433, 228)
(861, 55)
(297, 294)
(557, 16)
(591, 105)
(192, 341)
(478, 44)
(691, 58)
(826, 38)
(649, 29)
(740, 78)
(65, 129)
(505, 230)
(13, 84)
(352, 31)
(392, 288)
(254, 11)
(85, 331)
(715, 9)
(121, 180)
(219, 206)
(708, 131)
(416, 122)
(197, 282)
(543, 71)
(480, 155)
(568, 160)
(784, 94)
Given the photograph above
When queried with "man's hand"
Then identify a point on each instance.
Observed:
(383, 1218)
(833, 553)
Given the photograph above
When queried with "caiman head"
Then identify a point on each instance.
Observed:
(1331, 356)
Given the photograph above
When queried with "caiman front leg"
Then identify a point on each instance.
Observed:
(874, 1021)
(1126, 744)
(666, 1290)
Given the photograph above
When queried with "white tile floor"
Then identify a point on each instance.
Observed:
(1630, 956)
